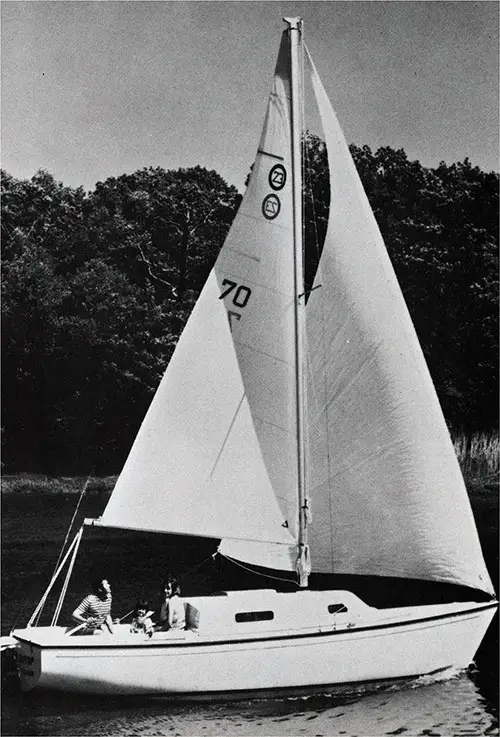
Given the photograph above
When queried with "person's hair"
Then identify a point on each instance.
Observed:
(142, 604)
(176, 589)
(97, 583)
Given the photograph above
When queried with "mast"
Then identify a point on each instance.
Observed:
(295, 32)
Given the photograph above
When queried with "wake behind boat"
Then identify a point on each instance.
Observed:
(303, 430)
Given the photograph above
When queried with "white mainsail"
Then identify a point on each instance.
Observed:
(216, 453)
(387, 490)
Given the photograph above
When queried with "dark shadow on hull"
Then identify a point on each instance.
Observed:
(377, 591)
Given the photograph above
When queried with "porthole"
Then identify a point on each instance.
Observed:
(254, 616)
(337, 608)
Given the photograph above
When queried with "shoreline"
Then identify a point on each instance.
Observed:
(38, 483)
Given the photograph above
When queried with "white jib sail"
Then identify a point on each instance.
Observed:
(388, 496)
(215, 455)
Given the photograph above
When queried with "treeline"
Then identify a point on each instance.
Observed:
(98, 285)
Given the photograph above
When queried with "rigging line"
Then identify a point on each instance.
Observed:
(36, 614)
(64, 589)
(257, 573)
(120, 619)
(210, 557)
(73, 518)
(24, 603)
(82, 493)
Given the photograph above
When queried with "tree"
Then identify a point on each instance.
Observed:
(441, 230)
(166, 227)
(96, 291)
(97, 288)
(316, 197)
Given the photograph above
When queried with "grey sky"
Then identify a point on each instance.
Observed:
(96, 89)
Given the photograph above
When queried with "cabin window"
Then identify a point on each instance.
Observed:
(337, 608)
(254, 616)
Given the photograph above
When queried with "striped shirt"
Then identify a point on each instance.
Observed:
(95, 608)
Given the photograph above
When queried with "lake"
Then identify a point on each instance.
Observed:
(33, 529)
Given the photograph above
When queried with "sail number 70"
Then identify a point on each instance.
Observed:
(240, 298)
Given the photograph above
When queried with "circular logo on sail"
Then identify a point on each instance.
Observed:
(271, 206)
(277, 177)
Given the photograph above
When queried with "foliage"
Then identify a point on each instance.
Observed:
(441, 230)
(28, 483)
(97, 287)
(440, 227)
(316, 197)
(479, 458)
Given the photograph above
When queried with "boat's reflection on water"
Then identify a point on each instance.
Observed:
(440, 705)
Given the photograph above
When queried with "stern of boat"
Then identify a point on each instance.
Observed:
(29, 664)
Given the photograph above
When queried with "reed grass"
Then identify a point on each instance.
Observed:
(478, 455)
(26, 483)
(479, 458)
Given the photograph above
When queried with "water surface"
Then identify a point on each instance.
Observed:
(33, 528)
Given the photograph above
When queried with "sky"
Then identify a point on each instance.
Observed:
(96, 89)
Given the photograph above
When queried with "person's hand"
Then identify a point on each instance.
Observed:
(116, 620)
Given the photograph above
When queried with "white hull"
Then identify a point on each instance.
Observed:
(363, 646)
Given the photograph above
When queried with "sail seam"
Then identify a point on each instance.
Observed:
(227, 435)
(242, 253)
(366, 364)
(258, 219)
(273, 424)
(376, 453)
(273, 156)
(261, 353)
(263, 287)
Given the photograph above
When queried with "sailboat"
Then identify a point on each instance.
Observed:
(301, 428)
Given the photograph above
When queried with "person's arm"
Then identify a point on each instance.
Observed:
(109, 623)
(79, 614)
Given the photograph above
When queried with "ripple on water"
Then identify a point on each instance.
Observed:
(435, 709)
